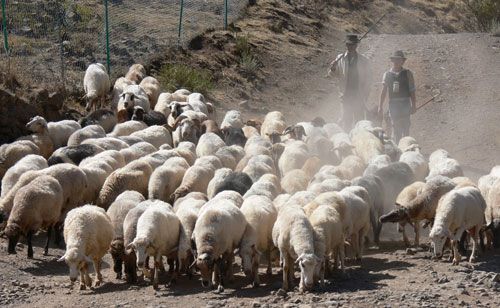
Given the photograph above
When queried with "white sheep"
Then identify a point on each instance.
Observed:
(260, 215)
(134, 176)
(40, 136)
(417, 163)
(107, 143)
(440, 163)
(294, 156)
(27, 163)
(129, 232)
(163, 104)
(166, 178)
(217, 233)
(342, 145)
(294, 181)
(88, 232)
(376, 163)
(268, 185)
(352, 166)
(407, 144)
(155, 134)
(373, 184)
(366, 144)
(209, 144)
(230, 156)
(36, 205)
(460, 210)
(197, 176)
(60, 131)
(274, 123)
(158, 232)
(152, 88)
(117, 212)
(328, 185)
(96, 85)
(294, 236)
(134, 95)
(185, 130)
(232, 119)
(127, 128)
(258, 166)
(11, 153)
(228, 195)
(136, 73)
(217, 180)
(118, 88)
(88, 132)
(137, 151)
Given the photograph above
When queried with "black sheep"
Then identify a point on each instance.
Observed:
(73, 154)
(150, 118)
(236, 181)
(234, 136)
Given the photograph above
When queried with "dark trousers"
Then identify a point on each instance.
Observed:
(353, 110)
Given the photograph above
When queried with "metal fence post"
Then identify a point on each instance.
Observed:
(181, 13)
(106, 19)
(61, 46)
(4, 25)
(225, 14)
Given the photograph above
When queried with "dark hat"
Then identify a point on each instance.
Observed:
(351, 39)
(398, 54)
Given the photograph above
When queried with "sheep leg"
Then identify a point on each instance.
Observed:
(97, 267)
(229, 266)
(156, 271)
(269, 270)
(405, 237)
(291, 271)
(58, 234)
(456, 253)
(335, 259)
(87, 279)
(416, 228)
(82, 280)
(49, 233)
(327, 268)
(286, 265)
(341, 255)
(475, 238)
(322, 273)
(29, 237)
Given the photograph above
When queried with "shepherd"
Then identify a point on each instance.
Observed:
(400, 84)
(353, 71)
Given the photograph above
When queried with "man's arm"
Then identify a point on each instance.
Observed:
(383, 95)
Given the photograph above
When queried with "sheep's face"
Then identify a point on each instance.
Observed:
(138, 114)
(307, 264)
(205, 264)
(398, 215)
(141, 248)
(128, 100)
(12, 231)
(76, 262)
(250, 257)
(438, 237)
(37, 124)
(187, 129)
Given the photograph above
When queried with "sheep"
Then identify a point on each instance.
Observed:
(294, 181)
(407, 144)
(463, 181)
(234, 181)
(107, 143)
(321, 147)
(351, 167)
(366, 144)
(158, 233)
(417, 163)
(391, 150)
(209, 144)
(134, 95)
(274, 123)
(114, 159)
(218, 231)
(232, 119)
(440, 163)
(36, 205)
(134, 176)
(234, 136)
(332, 129)
(312, 166)
(492, 213)
(185, 130)
(187, 150)
(166, 178)
(217, 180)
(156, 135)
(357, 200)
(230, 156)
(460, 210)
(137, 150)
(328, 185)
(163, 104)
(152, 88)
(158, 158)
(13, 152)
(250, 131)
(327, 224)
(103, 117)
(60, 131)
(96, 85)
(136, 73)
(27, 163)
(127, 128)
(296, 132)
(260, 215)
(258, 166)
(129, 232)
(342, 145)
(210, 126)
(228, 195)
(394, 177)
(130, 140)
(376, 163)
(418, 202)
(117, 212)
(294, 156)
(73, 154)
(268, 185)
(373, 184)
(88, 232)
(118, 88)
(87, 132)
(176, 109)
(40, 136)
(197, 177)
(294, 236)
(335, 200)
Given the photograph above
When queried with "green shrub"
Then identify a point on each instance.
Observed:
(249, 64)
(242, 45)
(176, 76)
(486, 12)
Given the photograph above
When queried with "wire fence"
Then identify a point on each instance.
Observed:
(51, 42)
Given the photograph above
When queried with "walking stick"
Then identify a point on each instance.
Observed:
(426, 102)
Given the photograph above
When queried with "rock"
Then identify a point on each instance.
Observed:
(443, 280)
(484, 294)
(296, 301)
(316, 299)
(410, 251)
(256, 304)
(281, 292)
(244, 104)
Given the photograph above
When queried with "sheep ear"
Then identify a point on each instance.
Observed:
(130, 246)
(210, 107)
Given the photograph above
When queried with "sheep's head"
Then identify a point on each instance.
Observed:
(205, 263)
(400, 214)
(307, 263)
(296, 132)
(128, 100)
(438, 236)
(234, 136)
(13, 232)
(274, 137)
(37, 124)
(494, 227)
(117, 250)
(318, 122)
(179, 193)
(76, 261)
(138, 114)
(255, 123)
(141, 246)
(250, 258)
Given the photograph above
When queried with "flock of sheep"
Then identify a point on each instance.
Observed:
(155, 176)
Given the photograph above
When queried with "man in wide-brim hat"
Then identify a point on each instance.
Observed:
(399, 84)
(353, 71)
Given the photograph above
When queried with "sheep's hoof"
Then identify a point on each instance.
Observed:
(220, 289)
(455, 262)
(46, 253)
(119, 276)
(255, 284)
(82, 287)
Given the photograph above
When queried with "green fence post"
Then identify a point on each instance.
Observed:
(181, 13)
(4, 25)
(108, 58)
(225, 14)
